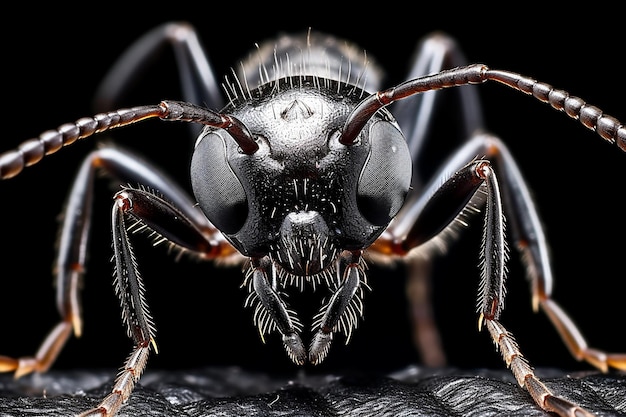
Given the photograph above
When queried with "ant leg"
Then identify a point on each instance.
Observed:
(74, 236)
(134, 210)
(434, 53)
(426, 336)
(418, 119)
(528, 235)
(198, 82)
(437, 216)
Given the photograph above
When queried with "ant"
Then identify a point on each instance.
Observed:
(303, 178)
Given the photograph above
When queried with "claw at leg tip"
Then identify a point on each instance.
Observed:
(535, 303)
(77, 325)
(481, 319)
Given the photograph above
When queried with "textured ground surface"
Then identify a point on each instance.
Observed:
(234, 392)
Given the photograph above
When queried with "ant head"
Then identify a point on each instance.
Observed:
(302, 196)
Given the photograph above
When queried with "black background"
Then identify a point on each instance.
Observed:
(52, 63)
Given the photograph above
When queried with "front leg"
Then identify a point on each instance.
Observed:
(430, 223)
(149, 210)
(135, 314)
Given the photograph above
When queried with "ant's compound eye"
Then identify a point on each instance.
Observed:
(386, 175)
(216, 187)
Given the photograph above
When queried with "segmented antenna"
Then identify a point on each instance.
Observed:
(32, 151)
(608, 127)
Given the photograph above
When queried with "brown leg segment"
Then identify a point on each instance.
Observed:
(576, 343)
(425, 333)
(124, 383)
(526, 377)
(45, 356)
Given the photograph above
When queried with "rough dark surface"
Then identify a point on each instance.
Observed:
(235, 392)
